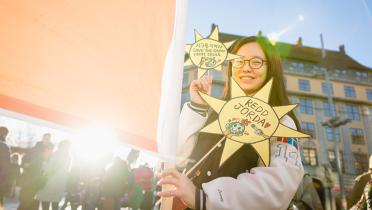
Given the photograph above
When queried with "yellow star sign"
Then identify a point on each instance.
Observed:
(248, 120)
(208, 53)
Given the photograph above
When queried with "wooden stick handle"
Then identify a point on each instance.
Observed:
(166, 203)
(205, 156)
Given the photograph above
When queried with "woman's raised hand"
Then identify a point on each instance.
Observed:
(203, 84)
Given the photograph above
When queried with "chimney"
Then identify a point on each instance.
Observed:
(299, 42)
(259, 33)
(342, 49)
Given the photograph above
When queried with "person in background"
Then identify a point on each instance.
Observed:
(56, 171)
(15, 171)
(361, 181)
(144, 176)
(5, 180)
(365, 202)
(306, 197)
(92, 177)
(32, 179)
(73, 188)
(135, 195)
(116, 183)
(132, 157)
(45, 141)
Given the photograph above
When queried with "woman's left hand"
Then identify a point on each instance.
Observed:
(184, 188)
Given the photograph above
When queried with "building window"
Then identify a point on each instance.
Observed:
(369, 94)
(304, 85)
(217, 91)
(324, 88)
(329, 134)
(332, 160)
(295, 66)
(306, 106)
(218, 75)
(349, 92)
(341, 72)
(185, 79)
(360, 163)
(363, 76)
(353, 112)
(185, 97)
(308, 128)
(309, 157)
(327, 110)
(357, 136)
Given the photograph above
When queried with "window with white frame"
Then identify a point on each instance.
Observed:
(325, 88)
(310, 157)
(304, 85)
(306, 106)
(329, 134)
(353, 112)
(357, 136)
(349, 91)
(308, 128)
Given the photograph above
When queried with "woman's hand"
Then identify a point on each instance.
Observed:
(184, 188)
(204, 84)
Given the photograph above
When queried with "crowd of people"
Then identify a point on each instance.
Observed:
(47, 176)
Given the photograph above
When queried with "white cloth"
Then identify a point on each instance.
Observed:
(263, 188)
(170, 100)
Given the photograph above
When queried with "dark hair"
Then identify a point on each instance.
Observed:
(278, 96)
(133, 156)
(3, 133)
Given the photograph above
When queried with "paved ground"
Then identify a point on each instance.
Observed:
(12, 204)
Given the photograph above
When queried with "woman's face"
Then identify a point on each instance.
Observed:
(250, 79)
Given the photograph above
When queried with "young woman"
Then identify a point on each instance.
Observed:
(242, 182)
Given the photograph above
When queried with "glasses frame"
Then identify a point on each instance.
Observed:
(249, 63)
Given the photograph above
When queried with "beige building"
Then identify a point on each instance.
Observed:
(352, 95)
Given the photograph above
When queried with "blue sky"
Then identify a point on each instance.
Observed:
(347, 22)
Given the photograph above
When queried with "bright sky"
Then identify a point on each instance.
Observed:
(347, 22)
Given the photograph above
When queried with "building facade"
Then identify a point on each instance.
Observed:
(305, 82)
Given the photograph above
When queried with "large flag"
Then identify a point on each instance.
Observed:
(73, 63)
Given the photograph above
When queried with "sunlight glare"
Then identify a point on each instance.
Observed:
(93, 142)
(301, 18)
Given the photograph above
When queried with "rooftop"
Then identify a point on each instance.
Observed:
(334, 59)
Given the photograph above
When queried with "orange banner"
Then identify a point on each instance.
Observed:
(77, 62)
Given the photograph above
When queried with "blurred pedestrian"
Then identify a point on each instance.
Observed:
(306, 197)
(92, 177)
(45, 141)
(116, 184)
(144, 176)
(56, 171)
(15, 171)
(33, 179)
(5, 181)
(73, 188)
(359, 187)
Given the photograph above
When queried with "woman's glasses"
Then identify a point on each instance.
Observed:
(254, 63)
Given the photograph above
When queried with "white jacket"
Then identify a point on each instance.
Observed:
(262, 188)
